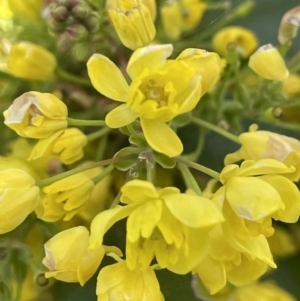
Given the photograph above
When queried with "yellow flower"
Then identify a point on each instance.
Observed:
(244, 40)
(66, 146)
(258, 145)
(117, 282)
(291, 85)
(239, 261)
(261, 292)
(156, 94)
(18, 198)
(255, 193)
(65, 198)
(5, 10)
(267, 62)
(70, 258)
(162, 223)
(183, 15)
(29, 61)
(133, 21)
(36, 115)
(31, 9)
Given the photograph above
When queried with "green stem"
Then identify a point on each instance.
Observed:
(215, 128)
(196, 153)
(63, 74)
(98, 134)
(101, 148)
(131, 129)
(116, 201)
(103, 174)
(199, 167)
(290, 126)
(189, 179)
(79, 122)
(49, 181)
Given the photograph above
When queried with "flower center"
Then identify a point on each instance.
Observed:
(155, 91)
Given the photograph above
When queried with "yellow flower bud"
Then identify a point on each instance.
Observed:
(133, 21)
(117, 282)
(244, 40)
(70, 258)
(267, 62)
(184, 15)
(18, 198)
(36, 115)
(66, 146)
(207, 64)
(30, 61)
(65, 198)
(291, 85)
(289, 25)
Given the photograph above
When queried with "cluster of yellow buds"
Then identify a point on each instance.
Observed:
(223, 233)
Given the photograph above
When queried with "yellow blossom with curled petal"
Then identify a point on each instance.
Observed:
(244, 40)
(66, 146)
(183, 15)
(267, 62)
(118, 282)
(69, 256)
(36, 115)
(65, 198)
(164, 223)
(133, 21)
(255, 193)
(19, 196)
(156, 94)
(258, 145)
(261, 292)
(238, 261)
(30, 61)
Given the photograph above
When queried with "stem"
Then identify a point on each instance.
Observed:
(63, 74)
(215, 128)
(98, 134)
(196, 153)
(49, 181)
(189, 179)
(101, 148)
(79, 122)
(199, 167)
(290, 126)
(116, 200)
(103, 174)
(130, 129)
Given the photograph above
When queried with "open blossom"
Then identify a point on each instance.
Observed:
(156, 94)
(65, 198)
(66, 146)
(165, 224)
(36, 115)
(70, 258)
(258, 145)
(19, 197)
(133, 21)
(253, 195)
(117, 282)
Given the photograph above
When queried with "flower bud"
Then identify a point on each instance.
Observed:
(29, 61)
(132, 21)
(36, 115)
(65, 198)
(289, 25)
(60, 14)
(245, 40)
(70, 258)
(76, 32)
(80, 11)
(291, 85)
(66, 146)
(19, 197)
(267, 62)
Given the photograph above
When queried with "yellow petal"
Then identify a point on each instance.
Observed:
(252, 198)
(120, 116)
(161, 137)
(107, 78)
(193, 211)
(150, 57)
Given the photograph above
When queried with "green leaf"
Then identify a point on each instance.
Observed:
(164, 160)
(125, 165)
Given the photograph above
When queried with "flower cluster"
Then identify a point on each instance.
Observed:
(107, 190)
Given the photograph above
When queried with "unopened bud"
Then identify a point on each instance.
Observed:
(76, 32)
(244, 9)
(81, 11)
(60, 14)
(267, 62)
(273, 114)
(64, 42)
(93, 22)
(41, 280)
(289, 25)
